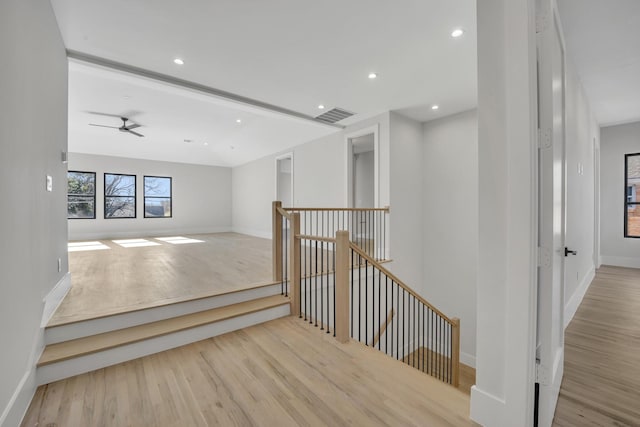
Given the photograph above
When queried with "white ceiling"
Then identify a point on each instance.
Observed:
(168, 116)
(291, 53)
(603, 41)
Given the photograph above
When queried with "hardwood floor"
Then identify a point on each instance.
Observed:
(123, 279)
(467, 373)
(280, 373)
(601, 384)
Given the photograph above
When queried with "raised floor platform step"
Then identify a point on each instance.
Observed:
(96, 343)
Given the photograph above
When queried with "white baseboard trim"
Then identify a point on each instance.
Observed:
(55, 297)
(19, 402)
(487, 409)
(574, 302)
(17, 406)
(621, 261)
(468, 359)
(252, 232)
(107, 235)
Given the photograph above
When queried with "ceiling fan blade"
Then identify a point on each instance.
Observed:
(103, 126)
(135, 133)
(133, 126)
(126, 114)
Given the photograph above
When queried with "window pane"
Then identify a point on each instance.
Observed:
(633, 220)
(119, 207)
(119, 185)
(81, 207)
(157, 186)
(157, 207)
(81, 183)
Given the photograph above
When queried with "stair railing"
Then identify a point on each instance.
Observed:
(340, 286)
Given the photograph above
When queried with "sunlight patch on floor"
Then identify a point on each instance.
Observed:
(86, 246)
(178, 240)
(135, 243)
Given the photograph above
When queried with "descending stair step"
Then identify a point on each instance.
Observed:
(82, 346)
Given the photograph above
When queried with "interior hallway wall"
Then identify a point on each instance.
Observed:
(582, 137)
(201, 198)
(33, 134)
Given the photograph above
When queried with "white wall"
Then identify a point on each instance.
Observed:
(201, 198)
(616, 142)
(450, 232)
(581, 132)
(33, 226)
(319, 176)
(406, 216)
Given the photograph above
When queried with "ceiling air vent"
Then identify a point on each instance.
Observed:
(334, 115)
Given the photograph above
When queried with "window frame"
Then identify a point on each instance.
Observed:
(145, 197)
(94, 193)
(135, 196)
(626, 200)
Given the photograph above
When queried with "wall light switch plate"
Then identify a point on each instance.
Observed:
(49, 183)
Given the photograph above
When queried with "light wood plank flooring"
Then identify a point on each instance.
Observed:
(122, 279)
(601, 384)
(280, 373)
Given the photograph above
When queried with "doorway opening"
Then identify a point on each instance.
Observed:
(284, 179)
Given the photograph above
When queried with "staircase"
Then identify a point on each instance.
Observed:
(84, 346)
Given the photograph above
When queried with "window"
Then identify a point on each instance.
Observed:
(81, 195)
(631, 202)
(119, 195)
(157, 197)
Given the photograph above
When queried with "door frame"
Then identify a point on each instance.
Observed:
(288, 155)
(375, 130)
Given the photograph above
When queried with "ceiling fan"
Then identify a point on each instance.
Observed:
(123, 128)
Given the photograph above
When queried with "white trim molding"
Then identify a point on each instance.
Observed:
(54, 298)
(572, 305)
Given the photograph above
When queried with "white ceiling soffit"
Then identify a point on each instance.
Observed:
(603, 41)
(168, 116)
(294, 54)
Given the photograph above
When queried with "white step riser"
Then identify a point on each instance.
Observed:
(125, 320)
(68, 368)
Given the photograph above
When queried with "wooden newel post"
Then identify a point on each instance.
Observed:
(342, 286)
(276, 241)
(455, 351)
(294, 264)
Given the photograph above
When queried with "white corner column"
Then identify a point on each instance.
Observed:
(507, 148)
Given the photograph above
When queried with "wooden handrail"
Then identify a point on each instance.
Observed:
(383, 327)
(385, 209)
(318, 238)
(393, 277)
(284, 213)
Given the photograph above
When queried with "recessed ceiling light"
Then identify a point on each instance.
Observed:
(435, 107)
(205, 144)
(372, 76)
(458, 32)
(178, 61)
(238, 120)
(321, 107)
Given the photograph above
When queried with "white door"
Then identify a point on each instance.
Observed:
(551, 97)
